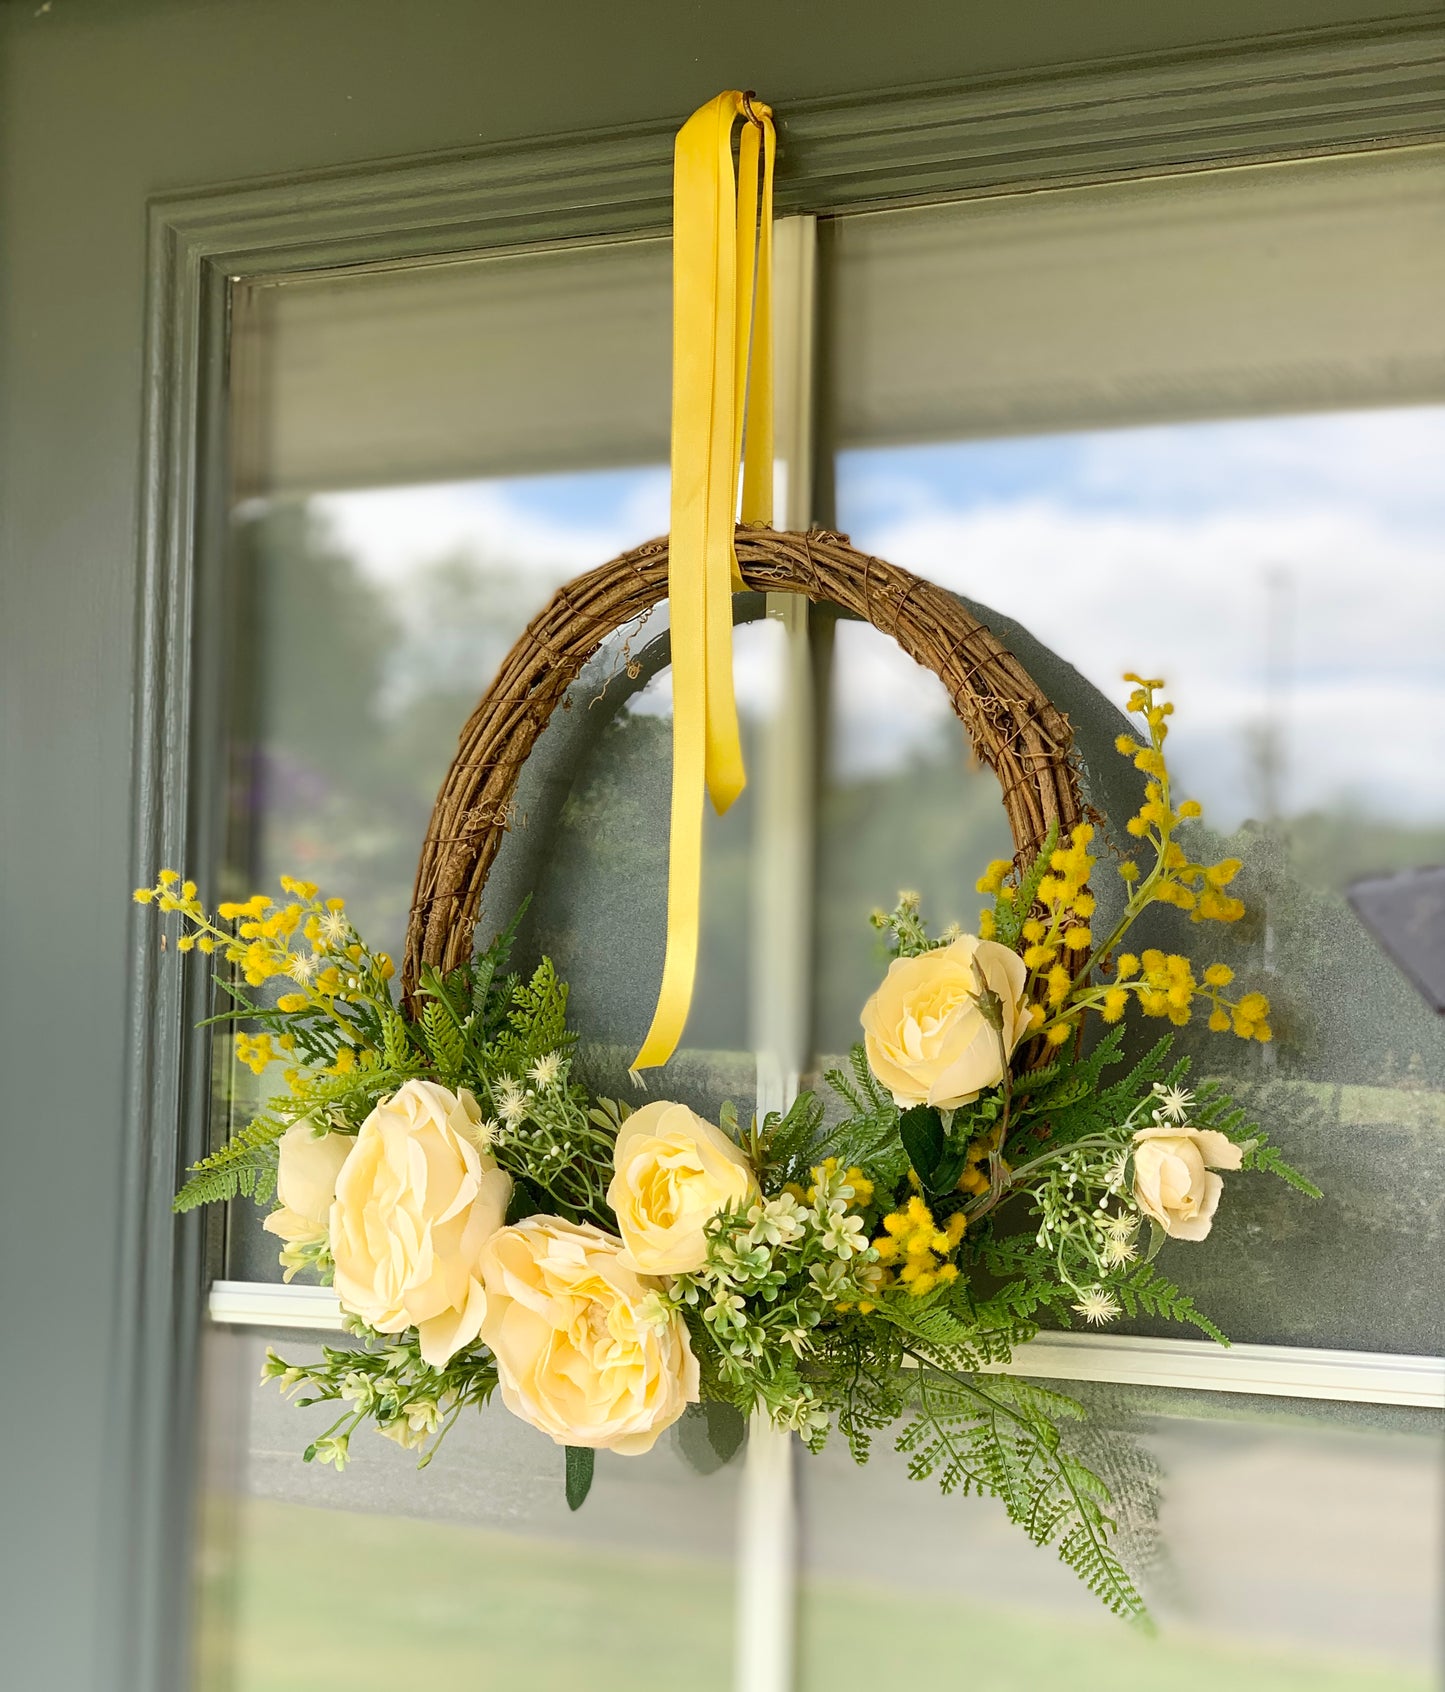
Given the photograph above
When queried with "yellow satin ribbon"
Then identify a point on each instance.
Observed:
(722, 369)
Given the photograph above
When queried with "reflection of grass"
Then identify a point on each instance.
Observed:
(853, 1637)
(323, 1599)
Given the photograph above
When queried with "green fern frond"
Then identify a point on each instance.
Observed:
(1214, 1108)
(1010, 915)
(1001, 1438)
(1144, 1288)
(536, 1021)
(868, 1135)
(1266, 1157)
(794, 1142)
(964, 1339)
(396, 1041)
(445, 1041)
(244, 1167)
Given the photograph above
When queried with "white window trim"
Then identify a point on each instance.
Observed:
(1273, 1371)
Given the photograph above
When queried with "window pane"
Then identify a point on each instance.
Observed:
(1258, 565)
(1283, 571)
(377, 593)
(894, 750)
(1192, 428)
(471, 1572)
(1288, 1555)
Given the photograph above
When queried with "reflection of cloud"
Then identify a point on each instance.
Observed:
(1126, 583)
(393, 531)
(521, 539)
(465, 565)
(1370, 462)
(1137, 548)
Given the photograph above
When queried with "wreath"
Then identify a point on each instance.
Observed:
(988, 1163)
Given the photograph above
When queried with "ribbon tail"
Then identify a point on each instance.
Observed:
(722, 368)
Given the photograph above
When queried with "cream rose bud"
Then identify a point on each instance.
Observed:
(580, 1353)
(415, 1203)
(674, 1172)
(306, 1183)
(926, 1038)
(1173, 1179)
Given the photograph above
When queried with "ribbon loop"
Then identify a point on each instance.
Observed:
(722, 412)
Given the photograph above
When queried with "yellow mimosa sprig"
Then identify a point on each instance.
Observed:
(308, 941)
(1058, 944)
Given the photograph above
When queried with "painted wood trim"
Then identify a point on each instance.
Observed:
(1273, 1371)
(1286, 98)
(162, 1260)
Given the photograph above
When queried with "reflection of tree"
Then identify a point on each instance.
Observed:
(932, 826)
(357, 692)
(353, 698)
(1333, 848)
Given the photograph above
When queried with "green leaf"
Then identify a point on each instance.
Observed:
(1157, 1237)
(524, 1202)
(710, 1434)
(921, 1130)
(581, 1460)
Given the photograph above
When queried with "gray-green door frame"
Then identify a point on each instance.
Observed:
(114, 304)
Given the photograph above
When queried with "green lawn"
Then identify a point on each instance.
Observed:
(314, 1600)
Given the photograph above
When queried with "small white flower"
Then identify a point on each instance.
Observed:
(335, 928)
(546, 1070)
(510, 1100)
(842, 1235)
(424, 1414)
(1096, 1306)
(1118, 1251)
(726, 1310)
(356, 1387)
(1174, 1102)
(301, 966)
(485, 1132)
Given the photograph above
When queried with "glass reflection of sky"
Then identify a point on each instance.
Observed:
(1291, 565)
(1300, 554)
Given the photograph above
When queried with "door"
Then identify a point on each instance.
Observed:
(152, 157)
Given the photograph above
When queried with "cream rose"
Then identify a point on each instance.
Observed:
(1173, 1179)
(925, 1036)
(306, 1184)
(580, 1354)
(674, 1172)
(415, 1203)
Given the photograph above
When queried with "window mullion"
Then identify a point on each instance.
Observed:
(780, 988)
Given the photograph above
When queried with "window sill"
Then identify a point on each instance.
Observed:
(1275, 1371)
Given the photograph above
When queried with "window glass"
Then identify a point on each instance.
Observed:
(391, 543)
(1281, 1553)
(1258, 566)
(1190, 428)
(1282, 567)
(471, 1572)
